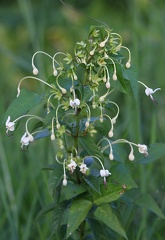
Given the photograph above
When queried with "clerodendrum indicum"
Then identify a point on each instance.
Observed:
(77, 98)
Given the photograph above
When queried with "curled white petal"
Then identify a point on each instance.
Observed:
(10, 125)
(74, 103)
(143, 149)
(104, 173)
(83, 168)
(72, 165)
(25, 140)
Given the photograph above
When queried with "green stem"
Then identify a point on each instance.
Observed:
(77, 129)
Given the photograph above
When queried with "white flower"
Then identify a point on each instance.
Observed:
(150, 91)
(25, 140)
(10, 126)
(83, 168)
(72, 166)
(143, 149)
(74, 103)
(104, 173)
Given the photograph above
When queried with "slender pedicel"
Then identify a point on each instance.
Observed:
(118, 110)
(102, 44)
(64, 182)
(48, 102)
(52, 137)
(35, 70)
(89, 116)
(58, 160)
(128, 64)
(57, 122)
(31, 77)
(63, 90)
(31, 138)
(111, 157)
(118, 36)
(110, 134)
(55, 61)
(114, 77)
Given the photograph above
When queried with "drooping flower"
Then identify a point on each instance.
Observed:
(83, 168)
(74, 103)
(72, 165)
(25, 140)
(143, 149)
(150, 91)
(104, 173)
(10, 126)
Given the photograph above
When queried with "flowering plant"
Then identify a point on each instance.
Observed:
(91, 176)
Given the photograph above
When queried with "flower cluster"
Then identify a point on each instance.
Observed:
(79, 97)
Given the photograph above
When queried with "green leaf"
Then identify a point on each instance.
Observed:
(105, 214)
(45, 210)
(59, 221)
(77, 213)
(21, 105)
(127, 80)
(90, 146)
(121, 174)
(155, 151)
(98, 230)
(146, 200)
(109, 193)
(93, 182)
(70, 191)
(131, 75)
(55, 178)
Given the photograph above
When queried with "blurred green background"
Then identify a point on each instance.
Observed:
(27, 26)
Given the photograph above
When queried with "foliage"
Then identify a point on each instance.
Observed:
(78, 115)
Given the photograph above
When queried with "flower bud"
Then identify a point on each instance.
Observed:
(101, 119)
(35, 71)
(128, 64)
(52, 137)
(64, 182)
(114, 77)
(55, 73)
(107, 85)
(131, 157)
(111, 157)
(110, 134)
(87, 124)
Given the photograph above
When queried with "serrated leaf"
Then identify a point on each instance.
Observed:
(105, 214)
(93, 182)
(70, 191)
(90, 146)
(146, 200)
(21, 105)
(109, 193)
(77, 213)
(155, 151)
(121, 174)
